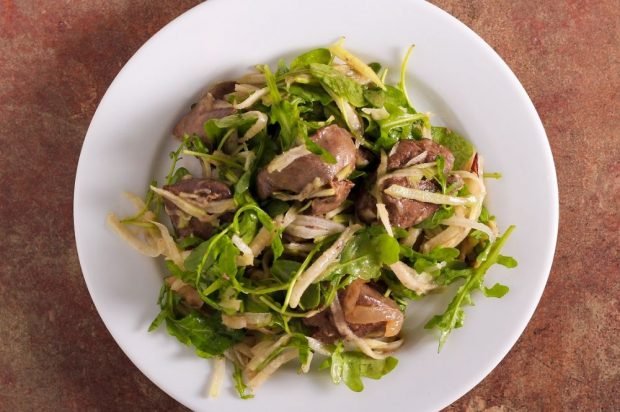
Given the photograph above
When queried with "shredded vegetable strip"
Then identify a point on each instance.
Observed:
(318, 267)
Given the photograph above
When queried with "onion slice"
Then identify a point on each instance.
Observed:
(261, 377)
(428, 197)
(385, 218)
(251, 99)
(219, 371)
(282, 161)
(470, 224)
(345, 331)
(420, 283)
(319, 266)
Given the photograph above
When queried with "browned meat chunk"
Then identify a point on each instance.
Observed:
(407, 150)
(301, 172)
(322, 326)
(219, 90)
(323, 205)
(200, 190)
(406, 213)
(367, 313)
(207, 108)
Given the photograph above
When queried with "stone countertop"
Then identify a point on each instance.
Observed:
(56, 60)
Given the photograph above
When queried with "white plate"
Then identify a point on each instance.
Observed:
(453, 73)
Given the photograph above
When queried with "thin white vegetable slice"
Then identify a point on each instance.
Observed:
(260, 124)
(263, 375)
(168, 247)
(261, 355)
(429, 197)
(355, 62)
(420, 283)
(345, 331)
(183, 204)
(247, 320)
(146, 245)
(282, 161)
(247, 255)
(317, 268)
(252, 98)
(219, 371)
(469, 224)
(384, 217)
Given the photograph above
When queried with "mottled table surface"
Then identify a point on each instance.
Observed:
(58, 57)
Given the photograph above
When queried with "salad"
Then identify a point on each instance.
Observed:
(305, 207)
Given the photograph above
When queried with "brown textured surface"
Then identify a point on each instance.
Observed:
(57, 59)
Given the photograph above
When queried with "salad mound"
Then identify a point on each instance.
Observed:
(319, 204)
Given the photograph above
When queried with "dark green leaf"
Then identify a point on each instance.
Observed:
(240, 386)
(320, 56)
(205, 333)
(497, 291)
(284, 269)
(310, 93)
(376, 97)
(276, 207)
(458, 145)
(189, 242)
(311, 297)
(339, 84)
(375, 67)
(507, 261)
(178, 174)
(444, 254)
(436, 218)
(351, 367)
(454, 315)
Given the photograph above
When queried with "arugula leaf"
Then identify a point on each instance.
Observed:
(176, 271)
(375, 66)
(376, 97)
(300, 342)
(286, 115)
(398, 126)
(205, 333)
(240, 386)
(496, 291)
(394, 99)
(320, 56)
(403, 69)
(311, 297)
(284, 269)
(215, 129)
(310, 93)
(367, 252)
(485, 216)
(193, 260)
(454, 315)
(458, 145)
(507, 261)
(275, 207)
(436, 218)
(313, 147)
(351, 367)
(166, 303)
(216, 256)
(440, 176)
(267, 222)
(339, 84)
(174, 176)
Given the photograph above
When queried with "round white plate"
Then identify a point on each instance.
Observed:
(453, 74)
